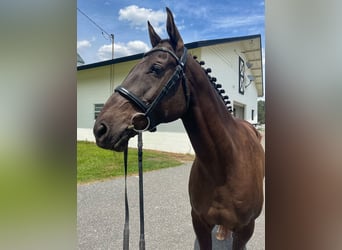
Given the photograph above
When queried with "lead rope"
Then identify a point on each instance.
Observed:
(141, 199)
(141, 193)
(126, 227)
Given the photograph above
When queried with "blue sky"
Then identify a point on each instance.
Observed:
(127, 20)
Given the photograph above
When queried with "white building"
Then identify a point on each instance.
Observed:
(235, 62)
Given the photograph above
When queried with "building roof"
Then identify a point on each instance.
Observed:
(251, 48)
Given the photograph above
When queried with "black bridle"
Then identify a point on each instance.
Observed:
(150, 124)
(148, 114)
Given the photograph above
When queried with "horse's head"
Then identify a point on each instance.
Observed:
(155, 91)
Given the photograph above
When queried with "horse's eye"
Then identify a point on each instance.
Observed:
(157, 69)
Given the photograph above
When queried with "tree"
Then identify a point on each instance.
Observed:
(261, 112)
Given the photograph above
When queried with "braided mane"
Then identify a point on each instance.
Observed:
(217, 86)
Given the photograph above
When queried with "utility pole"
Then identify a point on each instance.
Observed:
(111, 74)
(112, 38)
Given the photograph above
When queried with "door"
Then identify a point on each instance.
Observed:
(239, 110)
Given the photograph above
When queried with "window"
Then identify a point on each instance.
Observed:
(97, 109)
(252, 114)
(241, 76)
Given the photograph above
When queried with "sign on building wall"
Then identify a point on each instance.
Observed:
(241, 76)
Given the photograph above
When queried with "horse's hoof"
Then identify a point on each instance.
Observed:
(222, 233)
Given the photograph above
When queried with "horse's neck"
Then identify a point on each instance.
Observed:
(207, 120)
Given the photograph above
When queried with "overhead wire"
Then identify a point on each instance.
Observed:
(110, 37)
(91, 20)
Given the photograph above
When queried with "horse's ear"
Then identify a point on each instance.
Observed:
(154, 37)
(173, 32)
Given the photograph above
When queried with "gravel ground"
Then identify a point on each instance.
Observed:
(168, 226)
(167, 213)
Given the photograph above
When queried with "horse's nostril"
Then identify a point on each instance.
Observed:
(100, 130)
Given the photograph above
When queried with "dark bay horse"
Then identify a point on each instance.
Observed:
(226, 179)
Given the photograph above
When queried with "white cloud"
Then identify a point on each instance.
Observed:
(122, 49)
(105, 52)
(138, 17)
(83, 44)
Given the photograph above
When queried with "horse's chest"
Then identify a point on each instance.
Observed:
(213, 205)
(205, 193)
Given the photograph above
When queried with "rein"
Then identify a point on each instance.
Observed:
(141, 199)
(148, 116)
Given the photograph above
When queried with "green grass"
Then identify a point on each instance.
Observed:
(94, 163)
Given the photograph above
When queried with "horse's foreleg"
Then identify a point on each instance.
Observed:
(203, 232)
(242, 236)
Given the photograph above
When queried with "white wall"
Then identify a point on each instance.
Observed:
(93, 86)
(161, 141)
(223, 59)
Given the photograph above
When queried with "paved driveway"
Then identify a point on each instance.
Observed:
(100, 214)
(167, 214)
